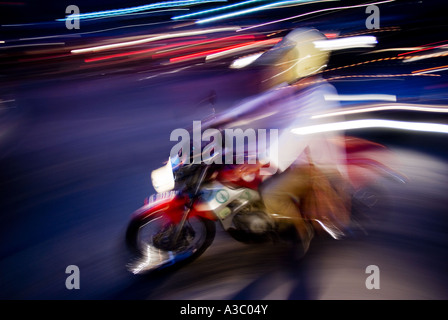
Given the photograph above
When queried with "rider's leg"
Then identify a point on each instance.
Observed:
(278, 195)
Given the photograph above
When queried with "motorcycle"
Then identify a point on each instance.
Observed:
(177, 224)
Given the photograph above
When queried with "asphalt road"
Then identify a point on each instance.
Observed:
(75, 163)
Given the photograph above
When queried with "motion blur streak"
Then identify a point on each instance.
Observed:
(171, 72)
(354, 110)
(372, 123)
(119, 12)
(398, 75)
(209, 52)
(346, 43)
(363, 32)
(245, 61)
(194, 14)
(151, 39)
(257, 44)
(179, 44)
(175, 47)
(260, 8)
(201, 44)
(360, 97)
(361, 76)
(443, 53)
(425, 47)
(394, 49)
(313, 12)
(431, 70)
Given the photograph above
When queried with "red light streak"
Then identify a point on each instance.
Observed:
(171, 46)
(205, 53)
(425, 49)
(129, 53)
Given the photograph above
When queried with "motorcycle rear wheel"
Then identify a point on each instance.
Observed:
(150, 242)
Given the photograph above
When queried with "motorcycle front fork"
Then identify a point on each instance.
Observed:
(189, 205)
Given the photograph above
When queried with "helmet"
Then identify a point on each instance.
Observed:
(293, 58)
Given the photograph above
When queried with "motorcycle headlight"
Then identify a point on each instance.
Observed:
(163, 178)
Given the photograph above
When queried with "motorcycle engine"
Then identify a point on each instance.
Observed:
(252, 222)
(250, 227)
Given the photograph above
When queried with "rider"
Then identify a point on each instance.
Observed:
(308, 184)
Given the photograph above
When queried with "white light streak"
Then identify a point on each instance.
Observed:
(372, 123)
(264, 7)
(346, 43)
(360, 97)
(151, 39)
(425, 108)
(245, 61)
(313, 12)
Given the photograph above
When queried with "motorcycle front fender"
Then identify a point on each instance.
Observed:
(172, 205)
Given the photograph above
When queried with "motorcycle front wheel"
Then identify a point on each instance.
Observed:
(155, 243)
